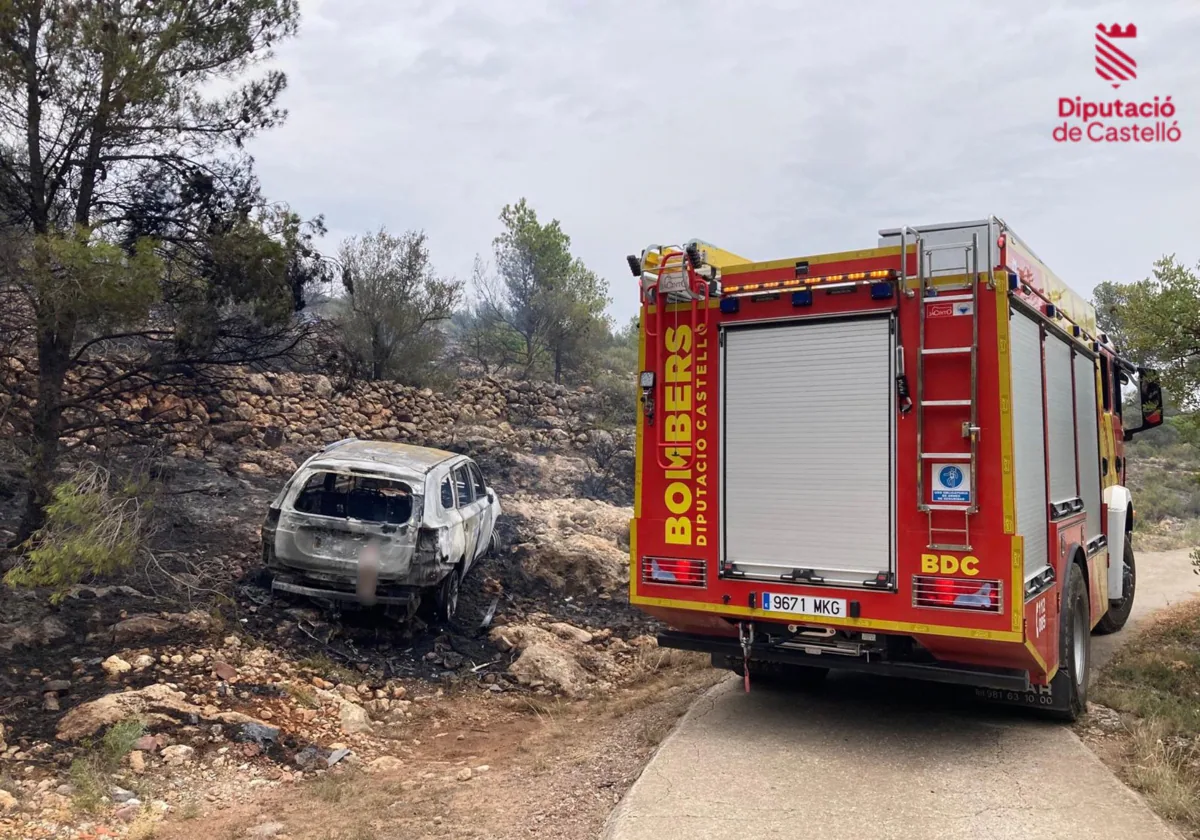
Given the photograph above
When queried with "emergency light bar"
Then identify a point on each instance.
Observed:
(853, 277)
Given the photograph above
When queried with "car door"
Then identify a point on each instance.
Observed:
(487, 510)
(468, 508)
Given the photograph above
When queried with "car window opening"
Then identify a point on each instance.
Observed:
(462, 483)
(366, 498)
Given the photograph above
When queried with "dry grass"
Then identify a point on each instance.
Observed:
(144, 827)
(1167, 535)
(302, 694)
(91, 773)
(335, 788)
(1164, 767)
(322, 666)
(1155, 681)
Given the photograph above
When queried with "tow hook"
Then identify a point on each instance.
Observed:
(746, 637)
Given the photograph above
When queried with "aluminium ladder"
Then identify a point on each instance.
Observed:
(940, 536)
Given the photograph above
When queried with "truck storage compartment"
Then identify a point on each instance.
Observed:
(808, 451)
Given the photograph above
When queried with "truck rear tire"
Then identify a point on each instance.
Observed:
(1118, 611)
(774, 673)
(1069, 688)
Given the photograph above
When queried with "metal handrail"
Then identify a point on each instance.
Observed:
(904, 231)
(698, 293)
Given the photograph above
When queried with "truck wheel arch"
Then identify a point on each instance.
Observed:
(1077, 555)
(1119, 528)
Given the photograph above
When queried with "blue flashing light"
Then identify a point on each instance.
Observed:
(1013, 281)
(803, 298)
(1076, 330)
(1051, 310)
(729, 305)
(881, 291)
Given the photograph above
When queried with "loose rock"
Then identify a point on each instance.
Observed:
(156, 704)
(114, 666)
(140, 627)
(354, 718)
(385, 764)
(178, 754)
(570, 633)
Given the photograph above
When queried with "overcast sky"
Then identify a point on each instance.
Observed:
(770, 129)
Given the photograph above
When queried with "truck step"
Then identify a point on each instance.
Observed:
(944, 351)
(935, 403)
(947, 456)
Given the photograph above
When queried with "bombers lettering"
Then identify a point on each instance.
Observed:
(685, 420)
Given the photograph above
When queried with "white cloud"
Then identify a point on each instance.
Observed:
(773, 129)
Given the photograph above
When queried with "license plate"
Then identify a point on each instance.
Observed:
(804, 605)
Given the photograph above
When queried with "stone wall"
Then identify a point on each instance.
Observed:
(268, 410)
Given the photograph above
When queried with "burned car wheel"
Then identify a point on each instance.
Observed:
(447, 595)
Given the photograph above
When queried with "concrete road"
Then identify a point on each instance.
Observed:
(870, 758)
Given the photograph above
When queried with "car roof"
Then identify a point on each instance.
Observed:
(386, 456)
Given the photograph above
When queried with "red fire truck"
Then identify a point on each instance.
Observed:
(905, 460)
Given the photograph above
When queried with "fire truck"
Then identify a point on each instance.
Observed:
(906, 460)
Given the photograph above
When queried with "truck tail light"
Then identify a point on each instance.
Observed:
(950, 593)
(673, 571)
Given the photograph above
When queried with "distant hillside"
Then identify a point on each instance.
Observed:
(1164, 475)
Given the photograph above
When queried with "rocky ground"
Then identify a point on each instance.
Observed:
(184, 698)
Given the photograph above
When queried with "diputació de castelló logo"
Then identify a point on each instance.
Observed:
(1136, 120)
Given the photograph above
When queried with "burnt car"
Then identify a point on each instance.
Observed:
(376, 522)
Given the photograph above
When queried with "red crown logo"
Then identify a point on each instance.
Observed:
(1113, 63)
(1115, 31)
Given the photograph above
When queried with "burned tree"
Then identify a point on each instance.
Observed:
(133, 210)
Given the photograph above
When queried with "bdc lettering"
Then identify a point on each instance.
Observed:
(948, 564)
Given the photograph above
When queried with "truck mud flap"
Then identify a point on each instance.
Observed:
(1035, 697)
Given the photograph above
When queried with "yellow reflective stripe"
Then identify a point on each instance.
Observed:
(1041, 662)
(1018, 583)
(862, 623)
(1005, 378)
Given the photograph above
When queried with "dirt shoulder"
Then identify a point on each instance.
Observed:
(500, 768)
(297, 757)
(1145, 722)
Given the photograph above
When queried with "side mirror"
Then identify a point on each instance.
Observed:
(1150, 396)
(491, 494)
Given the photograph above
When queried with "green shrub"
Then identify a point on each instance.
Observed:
(94, 526)
(617, 400)
(91, 773)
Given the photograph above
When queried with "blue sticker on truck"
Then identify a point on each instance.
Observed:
(951, 483)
